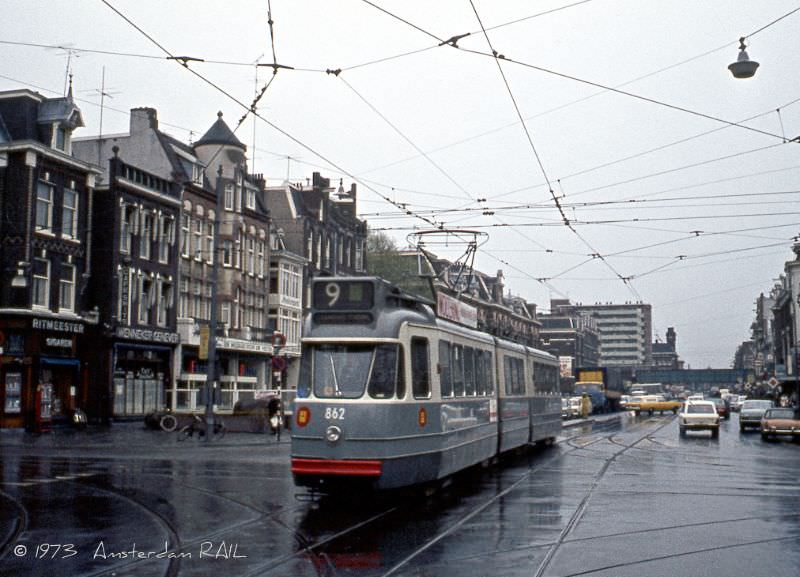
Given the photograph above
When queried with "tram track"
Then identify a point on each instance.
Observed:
(475, 511)
(581, 509)
(20, 523)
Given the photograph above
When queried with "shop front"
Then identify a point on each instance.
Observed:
(243, 365)
(141, 368)
(43, 372)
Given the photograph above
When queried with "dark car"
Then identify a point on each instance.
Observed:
(723, 408)
(752, 411)
(265, 409)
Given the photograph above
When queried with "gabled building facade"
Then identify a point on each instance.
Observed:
(46, 204)
(319, 223)
(217, 199)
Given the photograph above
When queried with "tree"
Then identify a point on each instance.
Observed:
(388, 262)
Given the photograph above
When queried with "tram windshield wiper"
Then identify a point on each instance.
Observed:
(333, 372)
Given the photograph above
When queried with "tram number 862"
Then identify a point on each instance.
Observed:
(334, 413)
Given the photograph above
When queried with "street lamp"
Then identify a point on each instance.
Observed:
(20, 280)
(743, 67)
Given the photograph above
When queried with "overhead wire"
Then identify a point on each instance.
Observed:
(185, 64)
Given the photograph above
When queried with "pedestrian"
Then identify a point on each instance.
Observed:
(586, 405)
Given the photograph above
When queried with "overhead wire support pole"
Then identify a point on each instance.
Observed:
(211, 369)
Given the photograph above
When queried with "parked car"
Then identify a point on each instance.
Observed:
(564, 408)
(699, 415)
(780, 421)
(751, 413)
(723, 408)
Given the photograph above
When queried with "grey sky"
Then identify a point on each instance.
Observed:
(372, 121)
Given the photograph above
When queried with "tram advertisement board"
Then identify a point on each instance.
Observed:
(454, 310)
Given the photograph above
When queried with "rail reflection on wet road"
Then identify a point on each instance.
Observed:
(623, 497)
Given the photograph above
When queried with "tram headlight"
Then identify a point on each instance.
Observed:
(333, 434)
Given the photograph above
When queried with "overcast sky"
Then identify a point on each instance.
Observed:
(438, 128)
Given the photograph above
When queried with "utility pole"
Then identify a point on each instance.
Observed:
(212, 373)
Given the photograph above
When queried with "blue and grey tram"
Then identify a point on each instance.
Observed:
(393, 396)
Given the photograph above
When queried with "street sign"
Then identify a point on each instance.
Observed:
(772, 382)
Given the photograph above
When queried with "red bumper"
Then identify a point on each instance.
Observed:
(348, 468)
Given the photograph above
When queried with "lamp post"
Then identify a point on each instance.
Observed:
(211, 369)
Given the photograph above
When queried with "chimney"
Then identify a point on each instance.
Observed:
(143, 119)
(671, 337)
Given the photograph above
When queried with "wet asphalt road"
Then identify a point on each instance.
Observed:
(620, 498)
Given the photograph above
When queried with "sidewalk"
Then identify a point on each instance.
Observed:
(133, 439)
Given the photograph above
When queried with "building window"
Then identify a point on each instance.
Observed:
(251, 255)
(359, 255)
(145, 296)
(144, 240)
(44, 207)
(227, 253)
(210, 242)
(127, 228)
(41, 282)
(198, 239)
(183, 300)
(225, 314)
(186, 239)
(229, 197)
(69, 214)
(66, 300)
(238, 251)
(260, 270)
(164, 302)
(60, 138)
(165, 226)
(251, 199)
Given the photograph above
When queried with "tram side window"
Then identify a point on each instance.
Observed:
(469, 371)
(508, 374)
(489, 373)
(515, 376)
(384, 372)
(445, 376)
(420, 368)
(480, 372)
(457, 358)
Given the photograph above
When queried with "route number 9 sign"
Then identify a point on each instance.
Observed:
(343, 295)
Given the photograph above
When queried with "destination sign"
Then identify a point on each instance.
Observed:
(344, 295)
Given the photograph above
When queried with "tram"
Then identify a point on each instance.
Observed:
(392, 396)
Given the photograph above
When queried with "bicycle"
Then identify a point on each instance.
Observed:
(200, 426)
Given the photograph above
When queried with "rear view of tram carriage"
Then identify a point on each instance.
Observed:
(392, 396)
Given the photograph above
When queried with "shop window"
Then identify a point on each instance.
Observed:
(13, 395)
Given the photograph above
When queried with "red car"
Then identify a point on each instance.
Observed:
(723, 408)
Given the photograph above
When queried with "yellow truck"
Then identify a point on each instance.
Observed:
(652, 403)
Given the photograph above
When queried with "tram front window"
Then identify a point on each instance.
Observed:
(343, 371)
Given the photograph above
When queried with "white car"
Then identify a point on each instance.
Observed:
(699, 415)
